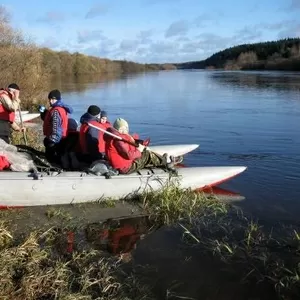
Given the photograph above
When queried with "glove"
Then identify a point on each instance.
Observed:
(41, 108)
(141, 147)
(48, 143)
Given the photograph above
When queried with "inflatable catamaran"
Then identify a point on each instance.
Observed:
(66, 187)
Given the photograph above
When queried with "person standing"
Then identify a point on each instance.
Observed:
(9, 104)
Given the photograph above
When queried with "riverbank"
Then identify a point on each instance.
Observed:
(211, 249)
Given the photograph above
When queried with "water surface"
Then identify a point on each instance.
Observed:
(238, 118)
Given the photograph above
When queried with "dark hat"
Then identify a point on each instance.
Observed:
(103, 113)
(54, 94)
(14, 86)
(94, 110)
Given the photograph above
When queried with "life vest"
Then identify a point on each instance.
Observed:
(48, 126)
(5, 114)
(83, 133)
(117, 161)
(107, 124)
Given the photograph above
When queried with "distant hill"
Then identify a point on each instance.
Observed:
(274, 55)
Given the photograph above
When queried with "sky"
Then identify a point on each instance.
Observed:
(153, 31)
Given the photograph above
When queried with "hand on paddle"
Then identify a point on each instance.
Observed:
(141, 147)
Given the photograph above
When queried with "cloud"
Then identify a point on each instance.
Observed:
(161, 2)
(177, 28)
(96, 10)
(52, 17)
(144, 36)
(202, 20)
(50, 42)
(163, 47)
(248, 34)
(85, 36)
(292, 31)
(128, 45)
(295, 5)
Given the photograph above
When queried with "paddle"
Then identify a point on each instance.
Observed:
(114, 135)
(21, 120)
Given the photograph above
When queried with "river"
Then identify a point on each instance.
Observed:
(238, 118)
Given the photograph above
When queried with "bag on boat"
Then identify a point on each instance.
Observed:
(101, 167)
(19, 162)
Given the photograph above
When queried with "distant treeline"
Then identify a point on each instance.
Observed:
(63, 62)
(276, 55)
(33, 67)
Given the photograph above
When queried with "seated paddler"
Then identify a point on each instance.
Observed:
(127, 156)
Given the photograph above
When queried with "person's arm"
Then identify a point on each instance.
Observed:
(56, 135)
(11, 105)
(15, 126)
(92, 140)
(127, 152)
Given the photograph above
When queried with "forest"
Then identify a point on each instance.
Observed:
(282, 55)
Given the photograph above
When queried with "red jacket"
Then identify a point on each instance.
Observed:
(49, 125)
(5, 114)
(120, 154)
(107, 124)
(87, 139)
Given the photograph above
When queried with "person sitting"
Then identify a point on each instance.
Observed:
(126, 156)
(104, 120)
(55, 125)
(92, 145)
(70, 147)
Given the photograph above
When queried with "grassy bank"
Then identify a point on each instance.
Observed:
(256, 261)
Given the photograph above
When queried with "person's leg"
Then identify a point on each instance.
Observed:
(149, 159)
(5, 138)
(5, 131)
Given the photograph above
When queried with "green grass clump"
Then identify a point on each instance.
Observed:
(172, 204)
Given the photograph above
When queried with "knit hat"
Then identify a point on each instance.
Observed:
(120, 123)
(14, 86)
(94, 110)
(103, 113)
(54, 94)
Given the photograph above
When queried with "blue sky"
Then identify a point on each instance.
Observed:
(153, 30)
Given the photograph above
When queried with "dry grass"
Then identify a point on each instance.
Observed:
(34, 138)
(38, 267)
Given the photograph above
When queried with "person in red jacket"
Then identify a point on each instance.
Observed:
(55, 125)
(104, 120)
(127, 158)
(91, 140)
(9, 104)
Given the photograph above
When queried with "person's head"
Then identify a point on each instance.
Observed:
(94, 111)
(103, 117)
(121, 125)
(14, 89)
(54, 96)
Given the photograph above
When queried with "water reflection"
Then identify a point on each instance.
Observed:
(258, 80)
(80, 84)
(117, 235)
